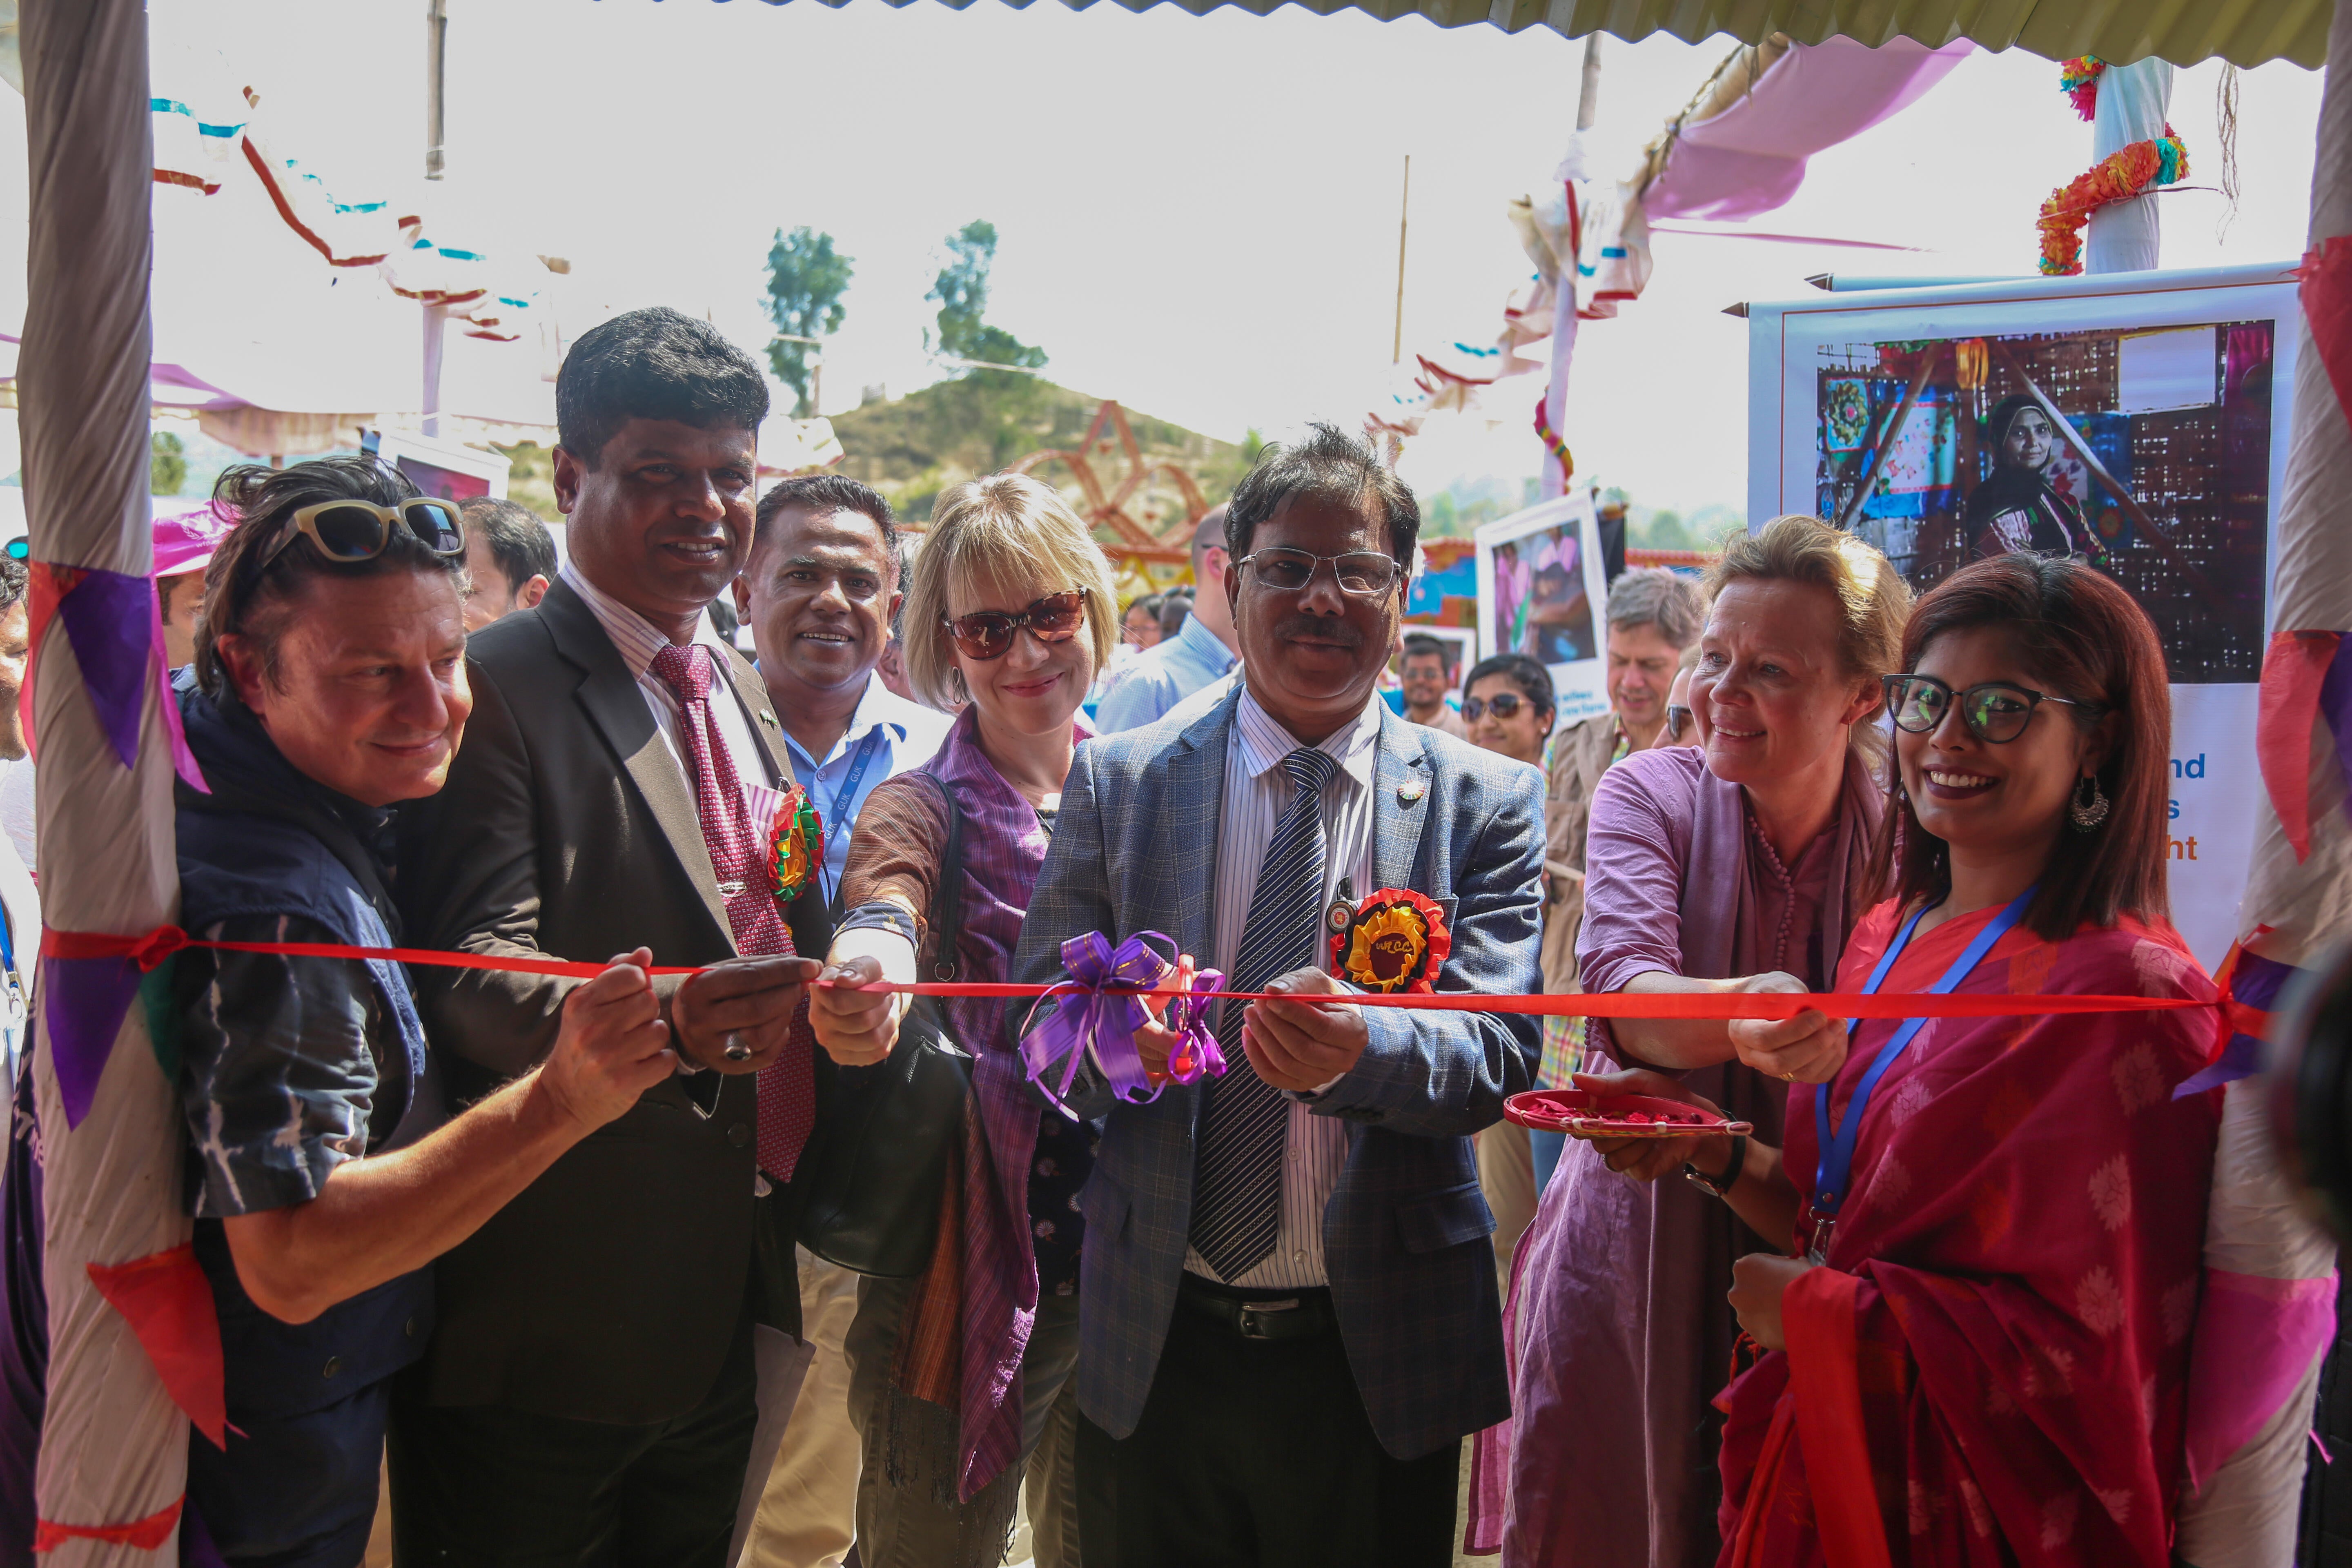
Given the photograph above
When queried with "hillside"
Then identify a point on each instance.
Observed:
(912, 448)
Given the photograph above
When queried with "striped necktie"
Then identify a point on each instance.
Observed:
(1237, 1195)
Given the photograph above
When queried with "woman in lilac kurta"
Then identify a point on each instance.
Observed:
(1619, 1332)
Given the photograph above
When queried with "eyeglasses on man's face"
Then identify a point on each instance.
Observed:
(1364, 573)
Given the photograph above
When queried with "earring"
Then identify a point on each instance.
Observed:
(2086, 815)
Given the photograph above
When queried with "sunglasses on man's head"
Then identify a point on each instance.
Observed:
(346, 532)
(1505, 704)
(987, 634)
(1994, 712)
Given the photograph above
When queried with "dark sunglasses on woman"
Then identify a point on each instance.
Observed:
(1678, 718)
(1994, 712)
(1504, 703)
(350, 531)
(987, 634)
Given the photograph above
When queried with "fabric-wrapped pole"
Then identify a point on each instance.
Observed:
(114, 1445)
(2267, 1314)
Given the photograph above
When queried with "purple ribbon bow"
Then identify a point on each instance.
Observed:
(1102, 1007)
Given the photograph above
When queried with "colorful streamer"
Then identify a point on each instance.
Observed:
(2250, 986)
(2078, 79)
(2118, 177)
(168, 1303)
(2301, 685)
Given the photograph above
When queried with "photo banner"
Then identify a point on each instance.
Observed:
(2137, 421)
(1541, 592)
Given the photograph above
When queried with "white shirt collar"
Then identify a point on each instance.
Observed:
(635, 638)
(1265, 742)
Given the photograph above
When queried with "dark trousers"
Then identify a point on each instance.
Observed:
(491, 1487)
(1257, 1453)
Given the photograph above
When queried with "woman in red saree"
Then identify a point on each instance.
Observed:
(1977, 1350)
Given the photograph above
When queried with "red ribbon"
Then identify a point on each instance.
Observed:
(146, 1534)
(152, 948)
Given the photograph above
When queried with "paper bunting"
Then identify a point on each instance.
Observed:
(83, 1001)
(2250, 986)
(2296, 673)
(116, 627)
(146, 1534)
(168, 1303)
(2326, 295)
(2256, 1339)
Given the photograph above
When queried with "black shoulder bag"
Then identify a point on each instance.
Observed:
(873, 1203)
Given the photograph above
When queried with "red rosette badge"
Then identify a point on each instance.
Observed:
(795, 844)
(1396, 941)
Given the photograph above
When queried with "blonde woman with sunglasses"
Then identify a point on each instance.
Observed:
(1009, 614)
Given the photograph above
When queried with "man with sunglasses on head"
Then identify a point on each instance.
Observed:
(1289, 1316)
(327, 687)
(597, 1382)
(1201, 648)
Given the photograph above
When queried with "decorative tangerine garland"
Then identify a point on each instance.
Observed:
(2078, 79)
(1552, 443)
(2138, 168)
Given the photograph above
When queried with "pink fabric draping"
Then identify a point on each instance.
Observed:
(1751, 158)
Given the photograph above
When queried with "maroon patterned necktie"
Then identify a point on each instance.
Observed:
(788, 1084)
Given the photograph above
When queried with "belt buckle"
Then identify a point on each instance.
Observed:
(1246, 1320)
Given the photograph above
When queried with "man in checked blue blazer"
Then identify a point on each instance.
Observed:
(1289, 1311)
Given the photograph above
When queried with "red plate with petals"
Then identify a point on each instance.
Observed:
(1581, 1113)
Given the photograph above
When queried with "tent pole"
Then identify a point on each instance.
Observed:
(113, 1446)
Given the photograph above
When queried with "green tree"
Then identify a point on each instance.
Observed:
(1667, 530)
(807, 278)
(961, 290)
(167, 463)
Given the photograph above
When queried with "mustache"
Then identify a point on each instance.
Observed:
(1329, 628)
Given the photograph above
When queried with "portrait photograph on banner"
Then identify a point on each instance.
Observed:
(2128, 421)
(1542, 593)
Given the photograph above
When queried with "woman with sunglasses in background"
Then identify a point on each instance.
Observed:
(1976, 1346)
(1740, 867)
(960, 1379)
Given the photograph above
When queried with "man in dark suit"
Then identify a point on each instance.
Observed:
(589, 1394)
(1288, 1310)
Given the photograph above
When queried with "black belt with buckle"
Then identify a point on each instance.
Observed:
(1259, 1315)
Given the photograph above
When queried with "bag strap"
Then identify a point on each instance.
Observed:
(947, 893)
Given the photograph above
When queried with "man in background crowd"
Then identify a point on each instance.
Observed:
(614, 1344)
(1142, 622)
(1654, 617)
(1202, 650)
(820, 592)
(1426, 676)
(510, 557)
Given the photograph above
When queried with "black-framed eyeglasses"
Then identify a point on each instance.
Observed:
(1993, 710)
(350, 531)
(1366, 573)
(986, 634)
(1505, 704)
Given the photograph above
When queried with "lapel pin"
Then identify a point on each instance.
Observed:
(768, 717)
(1411, 791)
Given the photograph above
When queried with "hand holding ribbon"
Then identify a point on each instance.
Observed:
(1105, 1002)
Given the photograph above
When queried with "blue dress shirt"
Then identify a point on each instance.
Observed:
(905, 735)
(1163, 676)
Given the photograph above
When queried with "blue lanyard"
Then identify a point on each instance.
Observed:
(1837, 1149)
(850, 780)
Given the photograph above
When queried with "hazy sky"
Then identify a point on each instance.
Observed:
(1198, 215)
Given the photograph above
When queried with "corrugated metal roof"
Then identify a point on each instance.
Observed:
(2244, 32)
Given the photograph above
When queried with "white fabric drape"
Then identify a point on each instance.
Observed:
(2134, 101)
(113, 1447)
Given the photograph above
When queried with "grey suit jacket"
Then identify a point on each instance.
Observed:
(609, 1289)
(1405, 1233)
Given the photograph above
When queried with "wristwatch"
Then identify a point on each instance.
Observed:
(1721, 1185)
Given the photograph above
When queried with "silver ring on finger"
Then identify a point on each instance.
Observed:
(737, 1051)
